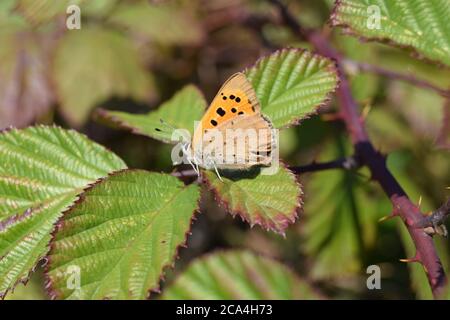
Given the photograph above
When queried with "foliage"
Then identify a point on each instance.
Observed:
(72, 205)
(420, 25)
(238, 275)
(42, 171)
(141, 219)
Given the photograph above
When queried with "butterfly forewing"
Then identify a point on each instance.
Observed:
(233, 133)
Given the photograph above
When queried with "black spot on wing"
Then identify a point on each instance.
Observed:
(220, 111)
(240, 112)
(238, 99)
(214, 122)
(233, 110)
(232, 97)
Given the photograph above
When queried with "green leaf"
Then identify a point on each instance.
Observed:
(152, 21)
(233, 275)
(271, 201)
(181, 111)
(341, 219)
(120, 237)
(291, 84)
(417, 24)
(42, 170)
(117, 72)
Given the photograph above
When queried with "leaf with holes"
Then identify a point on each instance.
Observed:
(117, 72)
(42, 170)
(120, 237)
(291, 84)
(417, 24)
(237, 275)
(271, 201)
(181, 111)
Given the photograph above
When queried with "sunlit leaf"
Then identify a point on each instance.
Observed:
(42, 170)
(236, 275)
(96, 64)
(181, 111)
(271, 201)
(120, 237)
(291, 84)
(417, 24)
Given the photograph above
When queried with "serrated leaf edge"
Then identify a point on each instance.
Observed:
(48, 284)
(334, 21)
(24, 280)
(331, 67)
(285, 223)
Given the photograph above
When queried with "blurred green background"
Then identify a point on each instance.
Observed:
(132, 55)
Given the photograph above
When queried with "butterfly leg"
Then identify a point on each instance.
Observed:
(217, 172)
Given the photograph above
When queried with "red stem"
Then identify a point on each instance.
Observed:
(402, 206)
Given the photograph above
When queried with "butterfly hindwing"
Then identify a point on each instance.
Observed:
(236, 107)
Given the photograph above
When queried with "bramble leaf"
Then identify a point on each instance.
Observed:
(291, 84)
(120, 237)
(270, 201)
(117, 72)
(181, 111)
(340, 219)
(232, 275)
(42, 170)
(417, 24)
(152, 21)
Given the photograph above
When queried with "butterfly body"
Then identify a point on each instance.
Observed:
(233, 133)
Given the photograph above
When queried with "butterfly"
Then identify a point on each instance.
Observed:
(233, 133)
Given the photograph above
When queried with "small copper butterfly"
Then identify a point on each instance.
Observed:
(233, 133)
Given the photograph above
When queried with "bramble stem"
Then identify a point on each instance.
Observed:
(402, 206)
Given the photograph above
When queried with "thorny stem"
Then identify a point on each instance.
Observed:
(436, 218)
(402, 206)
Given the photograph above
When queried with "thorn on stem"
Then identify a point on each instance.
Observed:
(385, 218)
